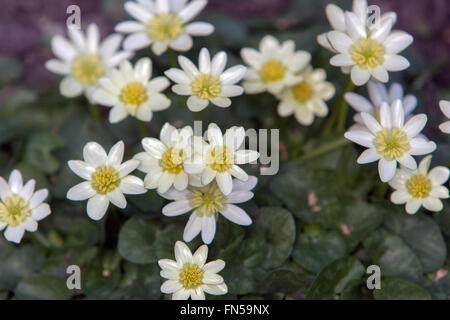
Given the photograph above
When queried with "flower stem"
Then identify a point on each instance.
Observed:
(343, 108)
(172, 58)
(39, 239)
(143, 129)
(95, 113)
(340, 142)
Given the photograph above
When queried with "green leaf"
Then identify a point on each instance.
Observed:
(10, 70)
(39, 148)
(356, 290)
(275, 227)
(332, 280)
(140, 282)
(398, 289)
(43, 288)
(136, 240)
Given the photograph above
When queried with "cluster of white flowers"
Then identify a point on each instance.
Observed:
(288, 75)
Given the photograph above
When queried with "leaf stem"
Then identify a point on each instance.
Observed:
(95, 113)
(343, 108)
(340, 142)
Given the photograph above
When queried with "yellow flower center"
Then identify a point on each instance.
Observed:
(419, 186)
(134, 94)
(105, 179)
(172, 161)
(14, 210)
(302, 92)
(191, 276)
(220, 159)
(87, 68)
(367, 53)
(206, 86)
(207, 200)
(165, 27)
(391, 143)
(272, 70)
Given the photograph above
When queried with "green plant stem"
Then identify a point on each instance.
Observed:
(95, 113)
(172, 58)
(39, 239)
(343, 108)
(326, 148)
(143, 129)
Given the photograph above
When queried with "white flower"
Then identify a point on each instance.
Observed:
(390, 140)
(219, 159)
(420, 187)
(163, 24)
(378, 93)
(445, 108)
(163, 159)
(107, 178)
(189, 276)
(20, 206)
(207, 202)
(208, 83)
(306, 99)
(84, 59)
(274, 67)
(336, 18)
(368, 53)
(131, 92)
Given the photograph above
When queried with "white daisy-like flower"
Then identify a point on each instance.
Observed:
(219, 159)
(107, 178)
(190, 276)
(336, 18)
(209, 82)
(378, 93)
(445, 108)
(163, 24)
(129, 91)
(274, 67)
(419, 187)
(306, 99)
(84, 59)
(390, 140)
(369, 54)
(207, 202)
(20, 206)
(163, 159)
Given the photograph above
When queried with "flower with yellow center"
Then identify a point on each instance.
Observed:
(207, 83)
(189, 276)
(206, 203)
(274, 67)
(107, 179)
(163, 159)
(306, 99)
(20, 206)
(84, 60)
(130, 91)
(390, 140)
(163, 24)
(368, 52)
(420, 187)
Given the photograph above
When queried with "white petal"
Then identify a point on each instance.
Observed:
(359, 103)
(371, 123)
(395, 63)
(397, 41)
(380, 73)
(421, 146)
(137, 11)
(218, 63)
(129, 27)
(136, 41)
(413, 205)
(218, 289)
(30, 225)
(178, 76)
(341, 60)
(69, 87)
(176, 208)
(182, 253)
(81, 191)
(233, 74)
(58, 67)
(191, 10)
(236, 215)
(204, 61)
(398, 114)
(62, 48)
(97, 206)
(117, 198)
(355, 27)
(246, 156)
(408, 162)
(41, 211)
(28, 189)
(369, 155)
(94, 154)
(440, 192)
(221, 102)
(196, 104)
(224, 181)
(15, 181)
(38, 197)
(170, 286)
(199, 28)
(193, 227)
(340, 41)
(415, 125)
(214, 266)
(336, 17)
(118, 113)
(439, 175)
(386, 169)
(189, 68)
(115, 155)
(238, 173)
(363, 138)
(208, 229)
(400, 197)
(433, 204)
(132, 185)
(215, 137)
(92, 37)
(182, 43)
(200, 255)
(14, 234)
(181, 181)
(181, 294)
(359, 76)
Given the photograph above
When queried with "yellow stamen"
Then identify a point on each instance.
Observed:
(207, 200)
(206, 86)
(133, 94)
(14, 210)
(220, 159)
(165, 27)
(191, 276)
(419, 186)
(87, 68)
(272, 70)
(105, 179)
(391, 143)
(302, 92)
(367, 53)
(172, 161)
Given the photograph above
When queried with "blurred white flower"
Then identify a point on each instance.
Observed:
(129, 91)
(420, 187)
(378, 93)
(219, 159)
(163, 159)
(20, 206)
(207, 202)
(274, 67)
(84, 59)
(390, 140)
(306, 99)
(445, 108)
(163, 24)
(107, 178)
(190, 276)
(208, 83)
